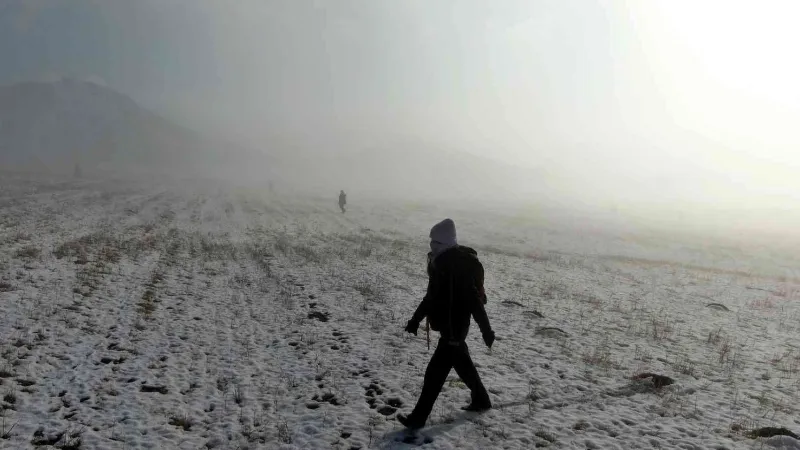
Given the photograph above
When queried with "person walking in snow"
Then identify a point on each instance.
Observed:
(455, 295)
(342, 200)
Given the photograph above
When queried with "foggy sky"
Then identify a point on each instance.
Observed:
(662, 104)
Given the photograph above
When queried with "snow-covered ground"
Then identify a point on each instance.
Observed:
(148, 316)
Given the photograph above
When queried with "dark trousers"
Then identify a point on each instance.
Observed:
(448, 356)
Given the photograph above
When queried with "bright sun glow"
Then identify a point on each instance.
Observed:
(728, 70)
(749, 46)
(734, 59)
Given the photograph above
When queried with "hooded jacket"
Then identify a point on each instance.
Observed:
(455, 294)
(443, 237)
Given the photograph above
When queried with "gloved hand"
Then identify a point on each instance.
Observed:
(412, 327)
(488, 338)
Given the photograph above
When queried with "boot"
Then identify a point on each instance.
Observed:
(476, 407)
(409, 422)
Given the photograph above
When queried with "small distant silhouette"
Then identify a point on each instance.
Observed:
(342, 201)
(77, 172)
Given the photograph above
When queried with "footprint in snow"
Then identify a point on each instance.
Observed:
(373, 395)
(365, 373)
(319, 315)
(341, 342)
(328, 397)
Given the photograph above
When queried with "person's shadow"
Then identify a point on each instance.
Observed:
(404, 438)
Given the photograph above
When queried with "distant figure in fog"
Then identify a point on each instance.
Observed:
(342, 201)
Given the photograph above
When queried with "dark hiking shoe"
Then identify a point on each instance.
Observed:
(409, 422)
(476, 407)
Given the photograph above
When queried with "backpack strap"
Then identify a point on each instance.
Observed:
(450, 308)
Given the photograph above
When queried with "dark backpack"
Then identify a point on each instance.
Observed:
(456, 279)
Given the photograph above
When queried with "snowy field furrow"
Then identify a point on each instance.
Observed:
(155, 316)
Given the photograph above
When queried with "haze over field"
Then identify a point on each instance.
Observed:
(179, 267)
(662, 110)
